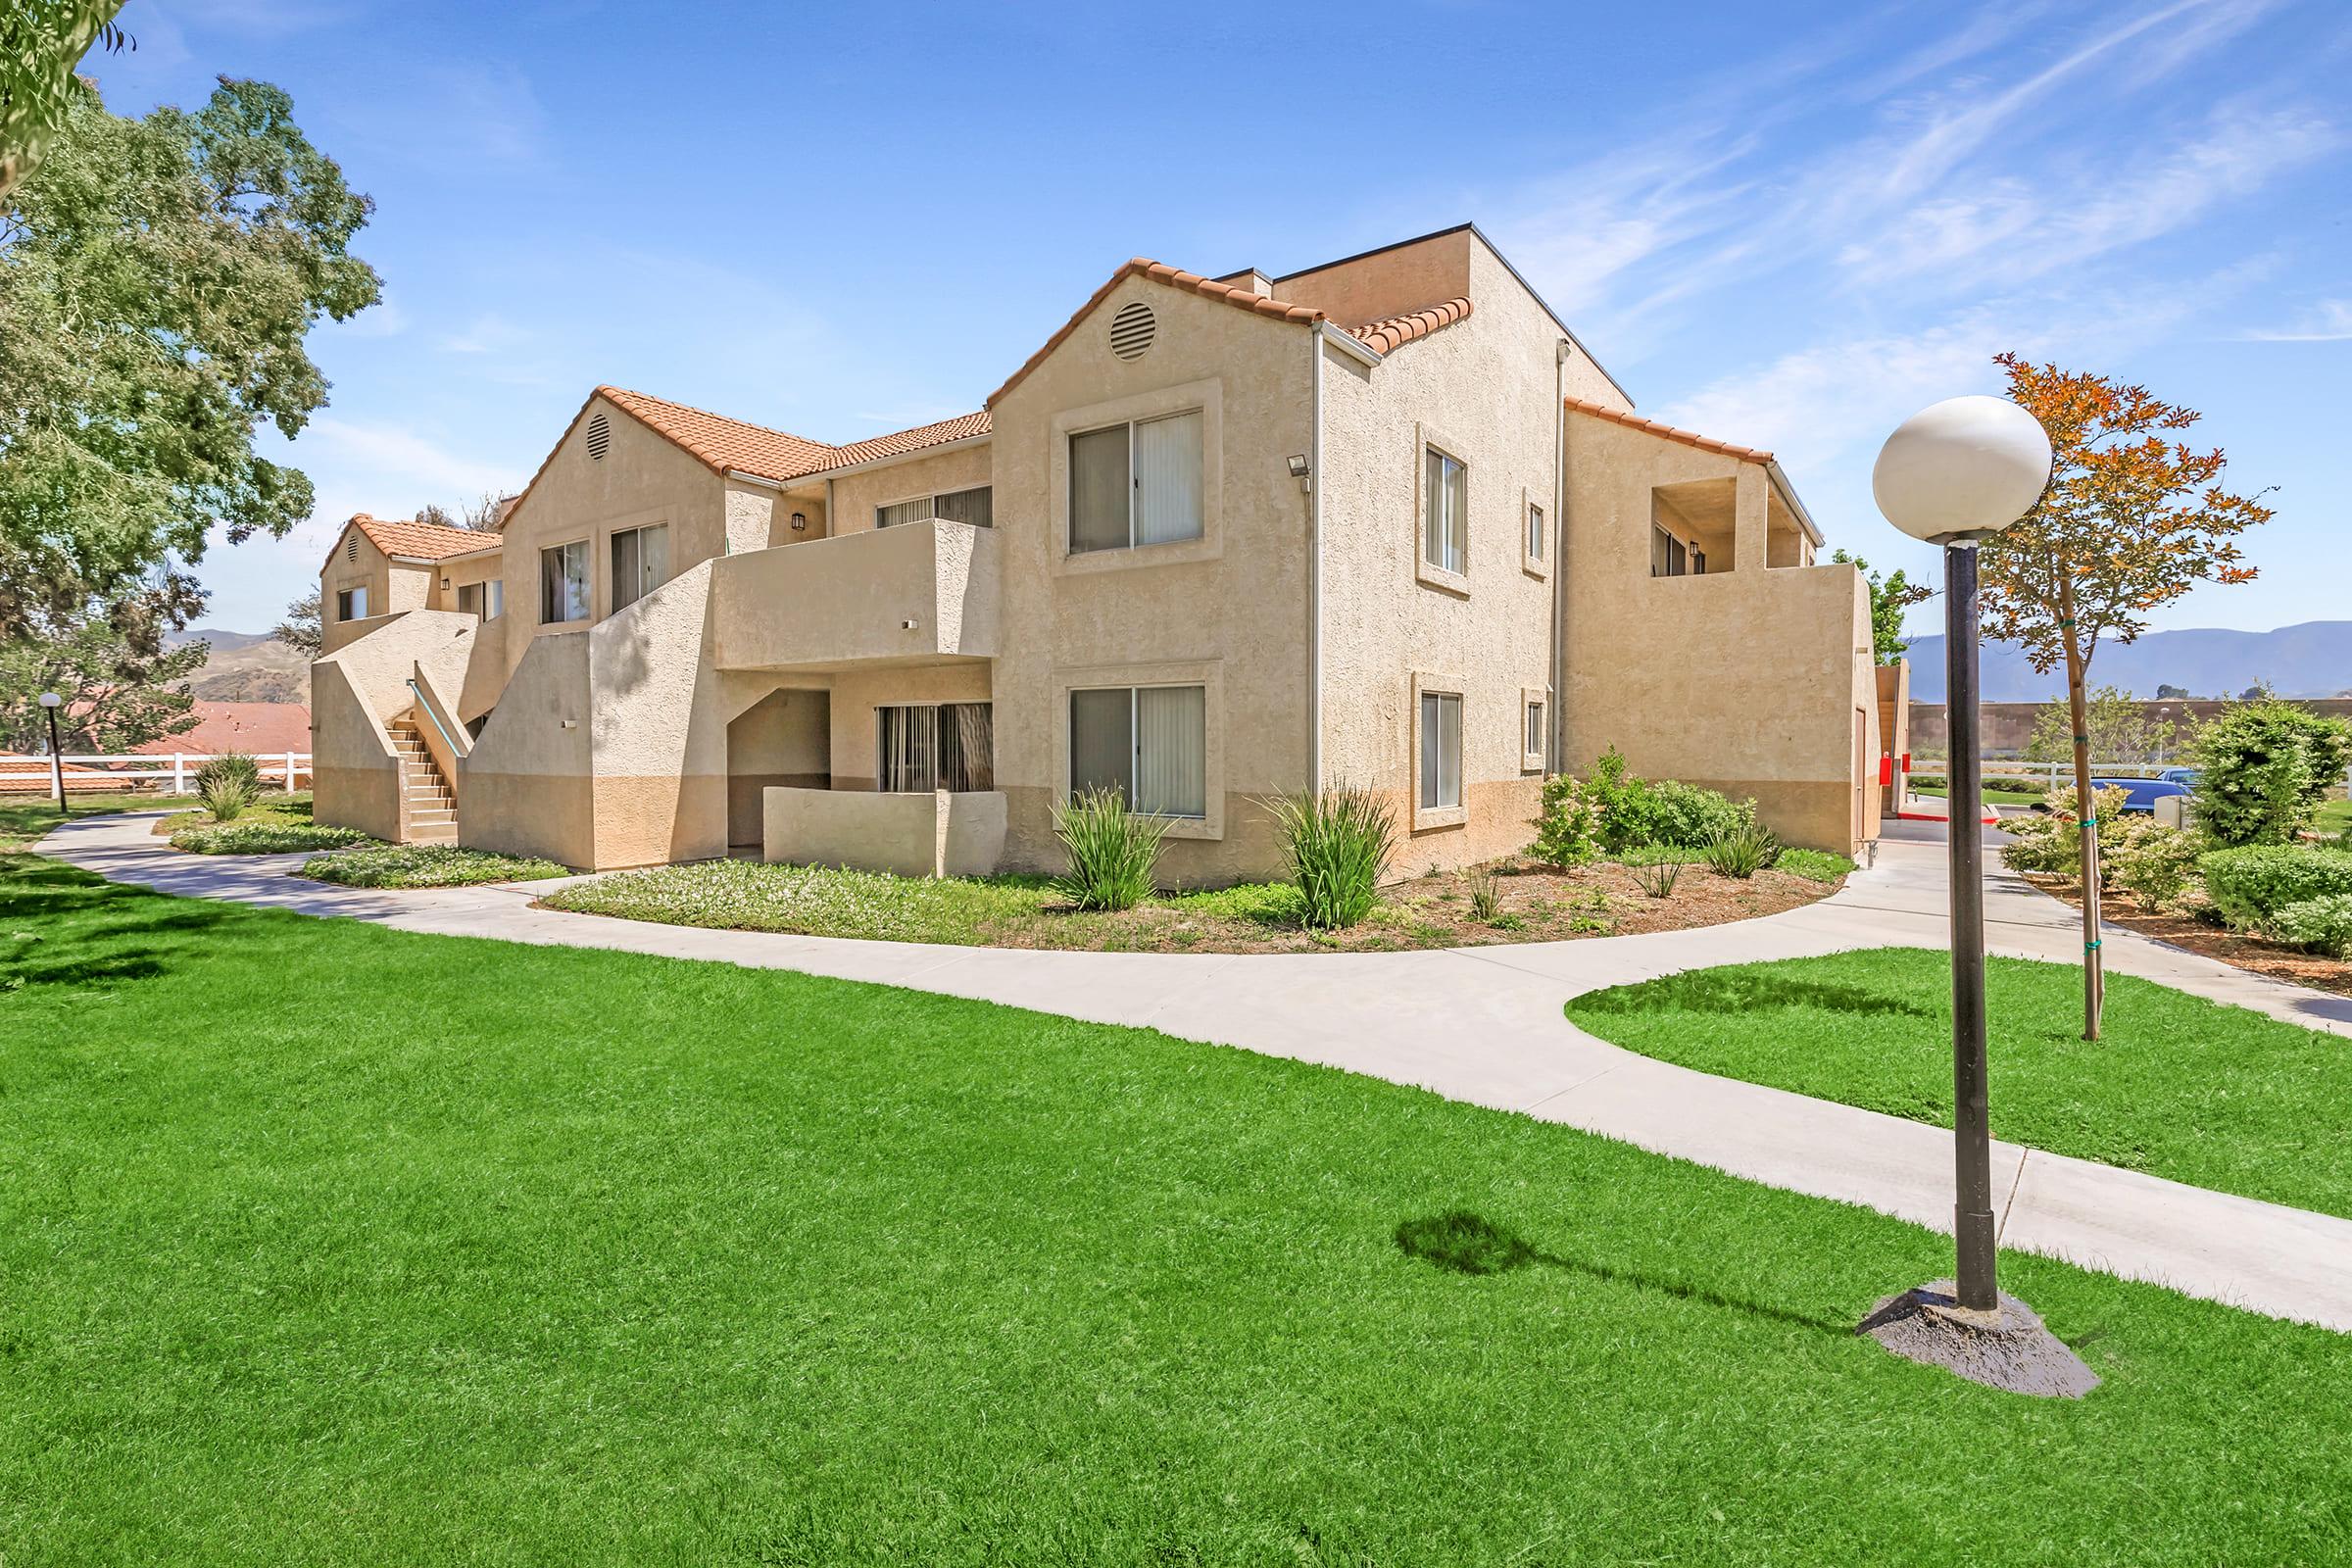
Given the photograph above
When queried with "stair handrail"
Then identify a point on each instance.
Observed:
(429, 707)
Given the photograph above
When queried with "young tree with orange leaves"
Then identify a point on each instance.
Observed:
(2132, 521)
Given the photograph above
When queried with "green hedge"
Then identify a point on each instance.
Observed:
(2254, 882)
(263, 837)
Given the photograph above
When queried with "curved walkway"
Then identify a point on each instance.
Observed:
(1484, 1025)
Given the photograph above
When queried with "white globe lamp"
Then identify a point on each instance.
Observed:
(1962, 469)
(1955, 475)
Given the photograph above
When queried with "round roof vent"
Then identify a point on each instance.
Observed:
(599, 437)
(1132, 330)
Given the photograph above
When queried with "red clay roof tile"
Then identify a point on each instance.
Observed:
(421, 541)
(1386, 336)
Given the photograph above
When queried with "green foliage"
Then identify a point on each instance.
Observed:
(226, 792)
(1744, 851)
(275, 836)
(106, 658)
(1568, 828)
(2251, 883)
(157, 280)
(2052, 841)
(2263, 770)
(1630, 811)
(40, 43)
(240, 766)
(2120, 726)
(1814, 865)
(1486, 894)
(2153, 862)
(1114, 852)
(424, 865)
(1889, 595)
(1337, 845)
(1657, 879)
(2322, 925)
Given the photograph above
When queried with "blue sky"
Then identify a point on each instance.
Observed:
(1784, 225)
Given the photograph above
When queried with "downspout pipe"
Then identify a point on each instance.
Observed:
(1315, 561)
(1559, 738)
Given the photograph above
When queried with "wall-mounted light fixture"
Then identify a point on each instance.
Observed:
(800, 523)
(909, 625)
(1297, 462)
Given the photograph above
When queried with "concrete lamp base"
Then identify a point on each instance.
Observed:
(2009, 1349)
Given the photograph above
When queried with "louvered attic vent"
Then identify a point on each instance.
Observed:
(599, 437)
(351, 548)
(1132, 330)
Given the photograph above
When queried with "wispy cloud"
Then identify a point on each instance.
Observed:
(487, 334)
(2329, 321)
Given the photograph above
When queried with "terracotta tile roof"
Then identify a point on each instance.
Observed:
(898, 444)
(240, 727)
(1689, 438)
(423, 541)
(1174, 277)
(1386, 336)
(729, 446)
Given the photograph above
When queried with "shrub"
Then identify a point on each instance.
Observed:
(424, 865)
(1633, 811)
(228, 785)
(1814, 865)
(1657, 879)
(2322, 925)
(230, 765)
(1114, 851)
(2153, 862)
(2052, 843)
(262, 838)
(2253, 882)
(1486, 894)
(2262, 768)
(1568, 827)
(1337, 845)
(1742, 851)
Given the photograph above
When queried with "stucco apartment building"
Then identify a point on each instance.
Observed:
(1383, 521)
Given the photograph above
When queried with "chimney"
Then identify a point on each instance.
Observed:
(1249, 280)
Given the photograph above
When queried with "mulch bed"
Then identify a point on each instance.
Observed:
(2252, 954)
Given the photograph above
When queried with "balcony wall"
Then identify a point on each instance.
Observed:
(914, 594)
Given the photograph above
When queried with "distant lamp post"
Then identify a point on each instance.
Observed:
(51, 702)
(1955, 475)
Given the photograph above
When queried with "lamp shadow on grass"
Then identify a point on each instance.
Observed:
(1463, 1242)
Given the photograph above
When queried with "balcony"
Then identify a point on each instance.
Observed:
(918, 593)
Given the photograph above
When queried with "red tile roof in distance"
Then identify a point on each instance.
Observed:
(256, 727)
(728, 446)
(1689, 438)
(420, 541)
(962, 428)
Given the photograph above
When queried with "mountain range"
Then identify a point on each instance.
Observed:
(2310, 659)
(247, 666)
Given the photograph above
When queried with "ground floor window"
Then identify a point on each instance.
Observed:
(1535, 729)
(1440, 751)
(936, 746)
(1149, 743)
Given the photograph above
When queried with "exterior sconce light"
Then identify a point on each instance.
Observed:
(909, 625)
(800, 523)
(1955, 475)
(1297, 464)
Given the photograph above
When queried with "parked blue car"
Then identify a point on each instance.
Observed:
(2179, 775)
(2141, 795)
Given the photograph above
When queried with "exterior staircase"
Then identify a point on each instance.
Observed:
(428, 808)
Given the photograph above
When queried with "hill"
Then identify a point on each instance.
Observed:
(247, 667)
(2310, 659)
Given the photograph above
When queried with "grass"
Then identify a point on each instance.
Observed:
(331, 1241)
(2180, 1086)
(269, 806)
(424, 865)
(2336, 816)
(1993, 795)
(25, 820)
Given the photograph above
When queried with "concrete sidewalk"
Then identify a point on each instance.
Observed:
(1484, 1025)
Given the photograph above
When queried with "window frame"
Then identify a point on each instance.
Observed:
(1535, 541)
(937, 708)
(588, 586)
(1135, 742)
(1206, 397)
(1534, 728)
(612, 538)
(1429, 573)
(1206, 674)
(349, 599)
(1677, 554)
(931, 499)
(1427, 684)
(1133, 426)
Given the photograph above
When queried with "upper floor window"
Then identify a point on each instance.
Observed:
(351, 603)
(639, 563)
(1535, 534)
(564, 583)
(1136, 484)
(1444, 511)
(975, 506)
(486, 600)
(1669, 556)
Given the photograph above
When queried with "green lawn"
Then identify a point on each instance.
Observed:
(426, 865)
(25, 819)
(2336, 816)
(2180, 1086)
(325, 1243)
(1994, 794)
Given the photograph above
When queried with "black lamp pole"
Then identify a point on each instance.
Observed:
(1972, 1129)
(57, 760)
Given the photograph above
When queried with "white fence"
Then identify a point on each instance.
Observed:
(164, 772)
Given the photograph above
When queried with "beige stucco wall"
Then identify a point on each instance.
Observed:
(857, 495)
(1396, 280)
(857, 693)
(933, 834)
(1486, 390)
(1754, 681)
(527, 785)
(1227, 612)
(923, 591)
(784, 740)
(393, 587)
(353, 690)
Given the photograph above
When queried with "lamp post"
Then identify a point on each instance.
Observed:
(1955, 475)
(51, 702)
